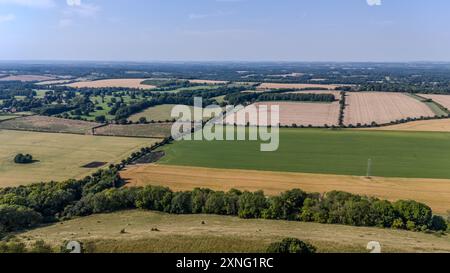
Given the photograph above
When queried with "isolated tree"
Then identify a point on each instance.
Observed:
(291, 245)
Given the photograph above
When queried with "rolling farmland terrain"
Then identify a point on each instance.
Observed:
(220, 234)
(382, 108)
(438, 125)
(125, 83)
(299, 113)
(443, 100)
(73, 132)
(49, 124)
(153, 130)
(157, 113)
(59, 156)
(433, 192)
(394, 154)
(26, 78)
(266, 86)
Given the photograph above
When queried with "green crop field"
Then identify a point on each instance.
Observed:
(157, 113)
(393, 154)
(59, 156)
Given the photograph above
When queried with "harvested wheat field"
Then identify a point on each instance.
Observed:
(443, 100)
(49, 124)
(27, 78)
(124, 83)
(153, 130)
(433, 192)
(299, 113)
(295, 86)
(382, 107)
(437, 125)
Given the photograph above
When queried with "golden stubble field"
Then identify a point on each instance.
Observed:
(124, 83)
(443, 100)
(433, 192)
(436, 125)
(59, 156)
(382, 107)
(299, 113)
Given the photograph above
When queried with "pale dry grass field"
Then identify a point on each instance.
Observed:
(433, 192)
(295, 86)
(220, 234)
(53, 82)
(382, 107)
(443, 100)
(49, 124)
(207, 82)
(27, 78)
(153, 130)
(299, 113)
(59, 156)
(124, 83)
(437, 125)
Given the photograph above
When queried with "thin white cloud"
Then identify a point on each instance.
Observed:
(73, 2)
(75, 10)
(374, 2)
(7, 18)
(30, 3)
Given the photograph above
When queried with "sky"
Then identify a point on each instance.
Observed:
(225, 30)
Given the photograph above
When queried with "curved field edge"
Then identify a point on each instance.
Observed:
(131, 231)
(322, 151)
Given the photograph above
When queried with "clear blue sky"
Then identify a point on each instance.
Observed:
(251, 30)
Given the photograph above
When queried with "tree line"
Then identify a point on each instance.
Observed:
(28, 206)
(277, 95)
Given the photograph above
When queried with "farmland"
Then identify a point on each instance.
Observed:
(26, 78)
(299, 113)
(433, 192)
(437, 125)
(153, 130)
(382, 108)
(48, 124)
(59, 156)
(220, 234)
(346, 152)
(265, 86)
(125, 83)
(157, 113)
(443, 100)
(207, 82)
